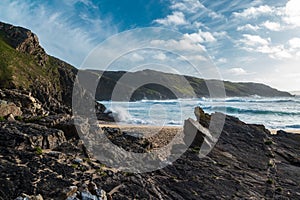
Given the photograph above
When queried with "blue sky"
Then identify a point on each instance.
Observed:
(248, 40)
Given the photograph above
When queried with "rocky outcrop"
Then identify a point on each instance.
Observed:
(24, 100)
(56, 95)
(21, 136)
(102, 113)
(30, 70)
(62, 122)
(38, 162)
(87, 192)
(247, 162)
(24, 41)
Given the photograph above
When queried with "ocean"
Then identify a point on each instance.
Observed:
(274, 113)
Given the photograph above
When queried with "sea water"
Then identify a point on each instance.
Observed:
(274, 113)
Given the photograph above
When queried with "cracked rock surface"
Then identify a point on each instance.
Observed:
(40, 160)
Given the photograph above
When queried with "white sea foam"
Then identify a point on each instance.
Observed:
(283, 113)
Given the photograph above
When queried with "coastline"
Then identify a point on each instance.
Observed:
(127, 126)
(274, 131)
(153, 128)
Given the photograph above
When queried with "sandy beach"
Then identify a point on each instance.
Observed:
(159, 136)
(274, 131)
(149, 130)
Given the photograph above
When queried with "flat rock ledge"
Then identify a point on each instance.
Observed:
(45, 159)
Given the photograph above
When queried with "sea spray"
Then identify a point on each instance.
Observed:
(274, 113)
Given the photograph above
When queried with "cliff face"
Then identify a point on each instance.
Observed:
(25, 66)
(23, 40)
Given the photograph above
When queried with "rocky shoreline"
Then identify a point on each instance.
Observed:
(44, 158)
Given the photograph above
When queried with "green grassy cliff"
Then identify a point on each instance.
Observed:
(171, 86)
(24, 65)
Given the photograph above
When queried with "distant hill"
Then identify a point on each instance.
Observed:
(24, 65)
(168, 83)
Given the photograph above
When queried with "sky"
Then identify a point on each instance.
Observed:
(246, 40)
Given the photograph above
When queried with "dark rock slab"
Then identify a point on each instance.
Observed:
(247, 162)
(21, 136)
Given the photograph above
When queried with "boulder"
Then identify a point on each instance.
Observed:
(196, 136)
(102, 113)
(24, 100)
(9, 109)
(65, 123)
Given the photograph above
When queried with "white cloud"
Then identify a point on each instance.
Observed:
(248, 27)
(254, 40)
(257, 2)
(85, 2)
(176, 19)
(273, 26)
(279, 18)
(292, 11)
(237, 71)
(294, 43)
(136, 57)
(265, 38)
(254, 43)
(190, 45)
(190, 6)
(58, 34)
(187, 47)
(194, 8)
(200, 37)
(197, 25)
(188, 42)
(288, 14)
(188, 14)
(222, 60)
(254, 12)
(285, 19)
(196, 58)
(183, 44)
(220, 34)
(280, 53)
(160, 56)
(215, 15)
(276, 52)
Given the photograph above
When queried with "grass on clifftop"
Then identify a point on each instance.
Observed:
(21, 70)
